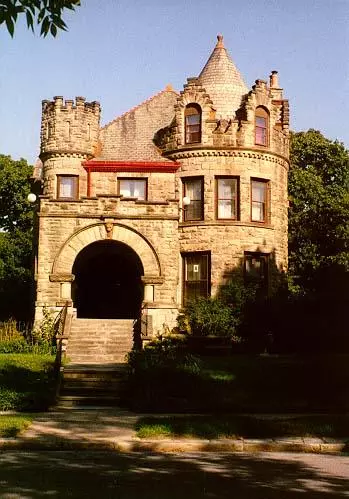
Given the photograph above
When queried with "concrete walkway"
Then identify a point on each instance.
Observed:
(113, 429)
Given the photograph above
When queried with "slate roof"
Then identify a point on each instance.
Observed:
(223, 82)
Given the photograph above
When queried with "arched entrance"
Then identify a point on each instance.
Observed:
(107, 281)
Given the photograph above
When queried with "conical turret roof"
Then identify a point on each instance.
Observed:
(223, 82)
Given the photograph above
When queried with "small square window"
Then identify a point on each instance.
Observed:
(67, 186)
(133, 188)
(227, 198)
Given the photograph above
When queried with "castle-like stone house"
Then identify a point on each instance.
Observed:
(167, 202)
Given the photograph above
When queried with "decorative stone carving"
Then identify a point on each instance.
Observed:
(109, 226)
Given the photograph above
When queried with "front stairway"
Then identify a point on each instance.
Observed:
(96, 362)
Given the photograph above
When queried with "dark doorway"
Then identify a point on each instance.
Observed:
(108, 281)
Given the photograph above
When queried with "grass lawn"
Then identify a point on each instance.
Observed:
(13, 424)
(26, 382)
(248, 384)
(232, 426)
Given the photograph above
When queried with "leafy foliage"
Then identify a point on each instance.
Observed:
(210, 316)
(46, 13)
(16, 226)
(27, 381)
(319, 214)
(319, 241)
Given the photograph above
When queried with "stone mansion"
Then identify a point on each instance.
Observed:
(167, 202)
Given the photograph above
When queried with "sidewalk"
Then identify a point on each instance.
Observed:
(113, 429)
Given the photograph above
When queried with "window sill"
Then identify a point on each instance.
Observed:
(66, 200)
(226, 223)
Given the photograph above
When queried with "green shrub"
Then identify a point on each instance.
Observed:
(44, 334)
(39, 341)
(15, 346)
(168, 352)
(159, 373)
(210, 316)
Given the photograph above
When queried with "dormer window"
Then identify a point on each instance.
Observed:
(192, 116)
(261, 126)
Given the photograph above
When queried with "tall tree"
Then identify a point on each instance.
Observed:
(16, 226)
(47, 14)
(319, 236)
(319, 211)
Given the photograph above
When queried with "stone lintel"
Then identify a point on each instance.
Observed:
(148, 279)
(61, 303)
(115, 217)
(62, 277)
(156, 305)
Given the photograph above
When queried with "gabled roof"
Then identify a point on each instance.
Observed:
(222, 81)
(130, 136)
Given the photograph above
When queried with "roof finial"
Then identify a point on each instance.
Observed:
(220, 43)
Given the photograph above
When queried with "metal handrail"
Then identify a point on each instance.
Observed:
(60, 326)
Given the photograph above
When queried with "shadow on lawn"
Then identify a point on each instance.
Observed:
(234, 426)
(110, 475)
(247, 384)
(23, 388)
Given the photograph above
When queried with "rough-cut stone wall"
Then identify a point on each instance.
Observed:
(155, 131)
(227, 240)
(69, 134)
(130, 137)
(69, 127)
(160, 186)
(65, 228)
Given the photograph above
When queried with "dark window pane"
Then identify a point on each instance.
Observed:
(256, 269)
(192, 124)
(196, 277)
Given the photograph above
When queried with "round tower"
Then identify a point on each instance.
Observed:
(233, 147)
(69, 135)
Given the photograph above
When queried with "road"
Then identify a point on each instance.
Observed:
(103, 475)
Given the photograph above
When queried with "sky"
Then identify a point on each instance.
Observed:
(121, 52)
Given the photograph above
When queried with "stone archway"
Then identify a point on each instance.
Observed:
(107, 282)
(64, 261)
(62, 268)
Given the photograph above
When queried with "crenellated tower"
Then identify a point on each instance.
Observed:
(69, 135)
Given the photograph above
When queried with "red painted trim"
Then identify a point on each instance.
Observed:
(130, 166)
(88, 183)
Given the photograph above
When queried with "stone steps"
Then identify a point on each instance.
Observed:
(96, 350)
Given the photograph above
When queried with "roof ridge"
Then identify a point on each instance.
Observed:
(168, 88)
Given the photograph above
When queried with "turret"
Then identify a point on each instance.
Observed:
(69, 127)
(69, 135)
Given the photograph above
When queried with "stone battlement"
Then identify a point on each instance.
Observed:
(58, 103)
(69, 126)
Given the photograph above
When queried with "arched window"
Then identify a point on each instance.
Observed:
(261, 126)
(192, 116)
